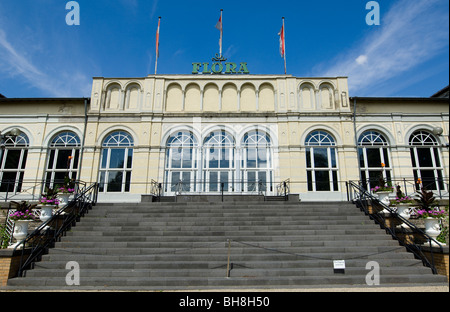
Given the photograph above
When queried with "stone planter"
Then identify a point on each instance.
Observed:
(404, 211)
(46, 213)
(433, 229)
(64, 199)
(383, 197)
(20, 232)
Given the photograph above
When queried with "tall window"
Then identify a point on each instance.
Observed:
(219, 151)
(426, 161)
(63, 158)
(116, 163)
(321, 162)
(181, 163)
(374, 159)
(256, 162)
(12, 162)
(218, 164)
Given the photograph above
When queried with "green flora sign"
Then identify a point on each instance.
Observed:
(219, 66)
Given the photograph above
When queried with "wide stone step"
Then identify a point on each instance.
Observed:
(211, 238)
(234, 250)
(221, 233)
(236, 209)
(213, 282)
(223, 257)
(269, 244)
(217, 214)
(201, 221)
(221, 271)
(207, 265)
(213, 228)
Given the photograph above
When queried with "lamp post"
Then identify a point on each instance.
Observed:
(438, 131)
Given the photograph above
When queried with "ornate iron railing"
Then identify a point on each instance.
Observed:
(284, 188)
(49, 232)
(408, 235)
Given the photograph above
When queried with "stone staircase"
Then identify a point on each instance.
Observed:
(276, 244)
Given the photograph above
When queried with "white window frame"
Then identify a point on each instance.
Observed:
(114, 141)
(187, 143)
(422, 139)
(373, 139)
(67, 141)
(20, 142)
(223, 142)
(320, 139)
(257, 140)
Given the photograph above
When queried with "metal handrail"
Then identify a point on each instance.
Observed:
(29, 190)
(411, 185)
(284, 188)
(49, 232)
(185, 186)
(363, 198)
(9, 224)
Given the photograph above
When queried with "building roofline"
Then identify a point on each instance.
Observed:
(442, 91)
(220, 76)
(400, 99)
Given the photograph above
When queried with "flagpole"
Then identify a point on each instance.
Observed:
(284, 46)
(157, 45)
(221, 31)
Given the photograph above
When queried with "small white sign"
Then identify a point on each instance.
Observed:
(339, 264)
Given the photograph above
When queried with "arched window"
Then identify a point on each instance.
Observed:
(321, 162)
(256, 161)
(116, 163)
(426, 161)
(181, 163)
(218, 165)
(374, 159)
(13, 157)
(63, 158)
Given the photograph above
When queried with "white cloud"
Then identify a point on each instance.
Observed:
(54, 83)
(411, 33)
(361, 60)
(16, 63)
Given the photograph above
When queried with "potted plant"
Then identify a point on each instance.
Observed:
(443, 237)
(403, 203)
(65, 191)
(21, 217)
(425, 199)
(47, 203)
(432, 224)
(383, 189)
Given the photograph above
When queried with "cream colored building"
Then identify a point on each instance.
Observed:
(243, 134)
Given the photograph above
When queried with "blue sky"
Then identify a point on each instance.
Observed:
(406, 55)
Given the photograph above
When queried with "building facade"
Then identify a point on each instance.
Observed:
(236, 134)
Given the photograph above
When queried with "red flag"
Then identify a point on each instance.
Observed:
(157, 38)
(157, 45)
(283, 45)
(219, 23)
(282, 42)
